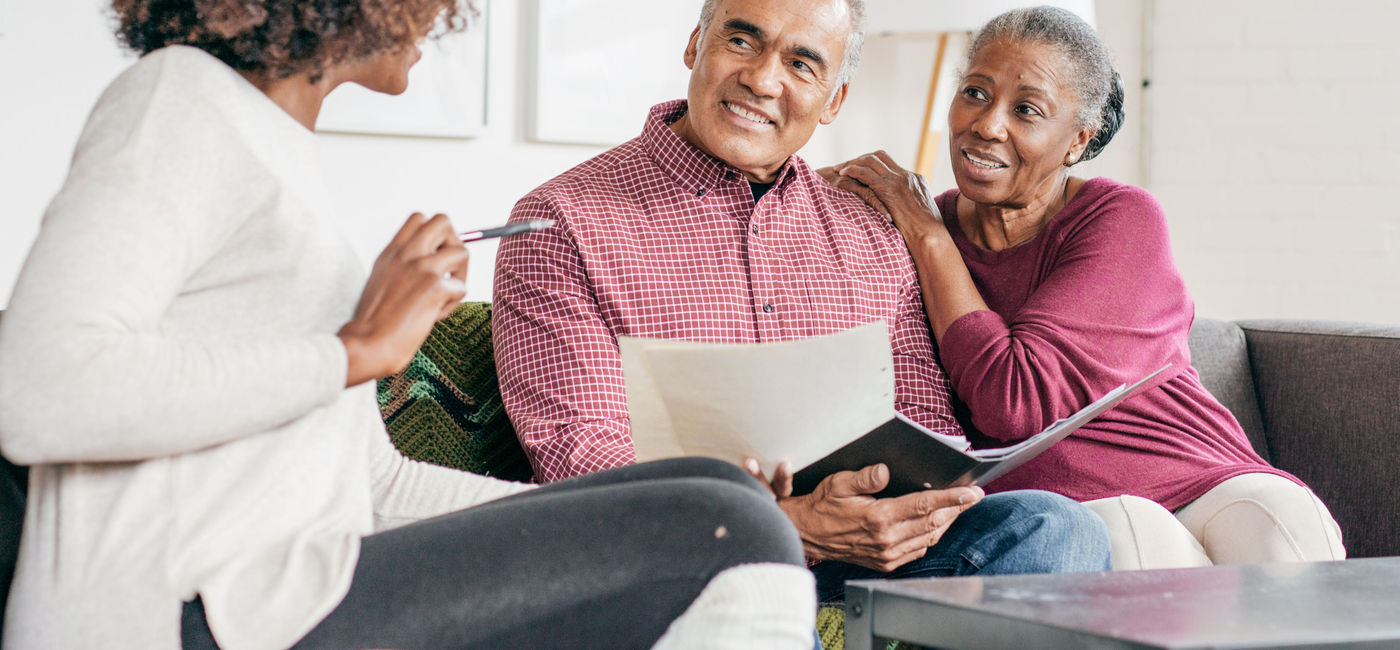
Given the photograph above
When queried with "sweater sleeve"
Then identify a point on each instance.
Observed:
(407, 490)
(1106, 311)
(559, 364)
(88, 370)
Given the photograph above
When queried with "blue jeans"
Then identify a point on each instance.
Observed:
(1025, 531)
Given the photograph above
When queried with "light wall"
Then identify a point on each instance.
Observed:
(378, 181)
(1252, 135)
(1275, 153)
(56, 56)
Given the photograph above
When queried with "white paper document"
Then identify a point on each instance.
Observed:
(794, 400)
(824, 404)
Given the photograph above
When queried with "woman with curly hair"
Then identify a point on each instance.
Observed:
(194, 348)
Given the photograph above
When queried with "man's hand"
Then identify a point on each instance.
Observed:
(841, 520)
(781, 483)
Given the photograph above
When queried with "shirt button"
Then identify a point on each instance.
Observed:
(700, 192)
(768, 308)
(754, 229)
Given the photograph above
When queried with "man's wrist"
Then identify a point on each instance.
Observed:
(797, 510)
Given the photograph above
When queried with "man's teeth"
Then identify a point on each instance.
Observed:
(984, 164)
(753, 117)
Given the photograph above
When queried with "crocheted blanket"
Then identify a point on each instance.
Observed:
(445, 408)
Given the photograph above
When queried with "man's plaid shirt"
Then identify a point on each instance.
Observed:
(657, 239)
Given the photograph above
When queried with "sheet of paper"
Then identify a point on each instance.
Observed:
(792, 400)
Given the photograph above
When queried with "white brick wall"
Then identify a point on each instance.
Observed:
(1275, 147)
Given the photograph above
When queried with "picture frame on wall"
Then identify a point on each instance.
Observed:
(446, 96)
(592, 90)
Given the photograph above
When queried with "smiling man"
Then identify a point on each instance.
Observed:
(707, 227)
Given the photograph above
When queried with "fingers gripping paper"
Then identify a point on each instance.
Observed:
(823, 404)
(792, 400)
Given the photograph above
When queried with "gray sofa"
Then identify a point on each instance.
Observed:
(1319, 399)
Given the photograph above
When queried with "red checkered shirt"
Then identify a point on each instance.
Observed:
(655, 238)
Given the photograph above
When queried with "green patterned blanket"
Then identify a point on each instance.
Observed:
(445, 408)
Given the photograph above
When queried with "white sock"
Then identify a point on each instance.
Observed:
(749, 606)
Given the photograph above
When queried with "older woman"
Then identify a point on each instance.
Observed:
(1045, 290)
(187, 369)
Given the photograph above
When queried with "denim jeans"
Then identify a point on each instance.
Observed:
(1025, 531)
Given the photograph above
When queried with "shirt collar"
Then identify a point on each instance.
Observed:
(692, 169)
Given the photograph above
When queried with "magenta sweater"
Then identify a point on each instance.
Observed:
(1094, 301)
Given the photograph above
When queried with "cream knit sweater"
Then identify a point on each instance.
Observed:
(169, 366)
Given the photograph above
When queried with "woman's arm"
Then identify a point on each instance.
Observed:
(948, 290)
(88, 372)
(1111, 309)
(91, 371)
(407, 490)
(99, 379)
(1103, 316)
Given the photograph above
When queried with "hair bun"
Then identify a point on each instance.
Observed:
(1113, 117)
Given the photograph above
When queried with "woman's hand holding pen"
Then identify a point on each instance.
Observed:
(418, 280)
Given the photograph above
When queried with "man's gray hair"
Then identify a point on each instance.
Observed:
(1098, 85)
(854, 40)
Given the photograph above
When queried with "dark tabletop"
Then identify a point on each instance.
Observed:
(1321, 604)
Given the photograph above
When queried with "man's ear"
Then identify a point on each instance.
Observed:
(692, 49)
(834, 105)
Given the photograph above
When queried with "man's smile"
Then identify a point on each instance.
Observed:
(747, 114)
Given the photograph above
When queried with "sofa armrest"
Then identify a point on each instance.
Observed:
(1220, 356)
(1329, 395)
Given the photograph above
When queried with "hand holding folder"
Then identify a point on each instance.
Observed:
(824, 404)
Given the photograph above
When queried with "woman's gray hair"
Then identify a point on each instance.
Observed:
(1099, 86)
(854, 40)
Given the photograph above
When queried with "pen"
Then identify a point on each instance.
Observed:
(528, 225)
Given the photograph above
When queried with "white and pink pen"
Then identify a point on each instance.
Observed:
(528, 225)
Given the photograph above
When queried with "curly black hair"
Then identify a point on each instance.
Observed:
(281, 38)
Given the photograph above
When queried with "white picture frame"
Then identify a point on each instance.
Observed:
(446, 96)
(592, 82)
